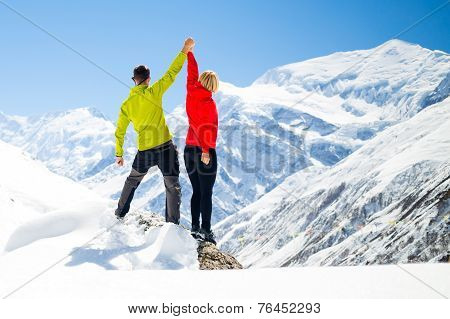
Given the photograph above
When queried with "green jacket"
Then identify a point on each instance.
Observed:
(143, 108)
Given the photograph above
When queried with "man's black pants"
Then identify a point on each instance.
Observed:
(166, 157)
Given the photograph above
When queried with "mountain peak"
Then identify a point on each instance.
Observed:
(94, 111)
(327, 67)
(80, 112)
(87, 110)
(399, 43)
(400, 47)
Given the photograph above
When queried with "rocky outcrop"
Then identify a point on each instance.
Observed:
(149, 220)
(211, 258)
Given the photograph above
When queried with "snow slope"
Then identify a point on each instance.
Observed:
(388, 202)
(46, 217)
(307, 114)
(37, 204)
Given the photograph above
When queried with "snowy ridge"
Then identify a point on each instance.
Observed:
(363, 75)
(389, 209)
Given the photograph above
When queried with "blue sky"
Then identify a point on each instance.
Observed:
(238, 39)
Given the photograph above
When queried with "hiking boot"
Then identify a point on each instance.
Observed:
(119, 216)
(195, 232)
(208, 236)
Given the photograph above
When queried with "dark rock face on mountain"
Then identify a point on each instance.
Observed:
(211, 258)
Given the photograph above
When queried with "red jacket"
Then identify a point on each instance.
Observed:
(201, 111)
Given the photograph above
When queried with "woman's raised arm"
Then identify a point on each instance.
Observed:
(192, 77)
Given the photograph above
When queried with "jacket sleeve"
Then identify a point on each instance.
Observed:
(121, 130)
(192, 76)
(160, 86)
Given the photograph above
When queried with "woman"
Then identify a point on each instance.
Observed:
(200, 152)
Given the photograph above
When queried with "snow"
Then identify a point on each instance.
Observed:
(31, 192)
(46, 217)
(259, 284)
(95, 258)
(168, 247)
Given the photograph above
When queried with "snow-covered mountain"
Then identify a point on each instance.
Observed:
(399, 77)
(308, 114)
(388, 202)
(76, 143)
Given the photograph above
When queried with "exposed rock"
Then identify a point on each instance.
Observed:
(149, 220)
(211, 258)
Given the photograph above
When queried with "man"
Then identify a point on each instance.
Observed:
(143, 108)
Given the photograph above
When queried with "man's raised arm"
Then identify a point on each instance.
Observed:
(168, 78)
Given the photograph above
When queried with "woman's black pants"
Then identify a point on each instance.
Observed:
(202, 178)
